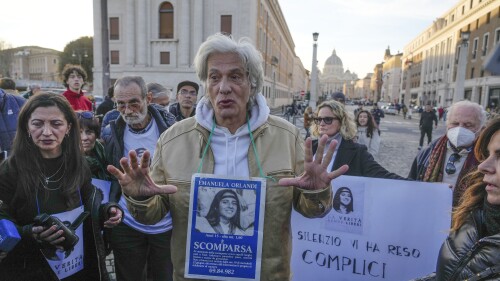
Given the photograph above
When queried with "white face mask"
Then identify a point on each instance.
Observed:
(460, 136)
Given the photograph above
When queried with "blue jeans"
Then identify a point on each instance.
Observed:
(133, 250)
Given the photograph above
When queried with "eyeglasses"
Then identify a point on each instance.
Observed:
(185, 92)
(450, 166)
(135, 104)
(327, 120)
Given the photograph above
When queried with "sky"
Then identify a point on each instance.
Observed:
(359, 30)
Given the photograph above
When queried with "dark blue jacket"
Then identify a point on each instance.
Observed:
(10, 105)
(114, 144)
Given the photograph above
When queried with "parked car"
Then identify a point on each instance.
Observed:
(390, 109)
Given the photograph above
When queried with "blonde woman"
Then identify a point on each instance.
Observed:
(332, 119)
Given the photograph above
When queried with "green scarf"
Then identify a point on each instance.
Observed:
(97, 162)
(491, 218)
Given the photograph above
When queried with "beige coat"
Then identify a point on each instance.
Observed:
(281, 152)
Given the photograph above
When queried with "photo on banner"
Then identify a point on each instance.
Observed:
(225, 228)
(378, 229)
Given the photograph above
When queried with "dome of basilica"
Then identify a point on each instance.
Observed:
(334, 60)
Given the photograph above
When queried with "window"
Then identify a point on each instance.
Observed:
(485, 43)
(226, 24)
(488, 16)
(497, 36)
(164, 57)
(166, 21)
(114, 33)
(474, 48)
(471, 1)
(115, 57)
(472, 73)
(463, 9)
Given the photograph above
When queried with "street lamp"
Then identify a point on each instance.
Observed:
(407, 96)
(79, 54)
(274, 63)
(314, 73)
(462, 65)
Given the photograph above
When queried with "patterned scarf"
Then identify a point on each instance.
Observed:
(434, 171)
(491, 218)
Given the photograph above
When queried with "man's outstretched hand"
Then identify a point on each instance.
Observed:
(315, 174)
(135, 179)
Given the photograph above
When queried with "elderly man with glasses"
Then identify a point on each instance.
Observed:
(449, 158)
(137, 128)
(185, 107)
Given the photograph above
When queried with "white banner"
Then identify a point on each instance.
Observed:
(378, 230)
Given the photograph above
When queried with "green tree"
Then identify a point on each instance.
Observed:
(79, 51)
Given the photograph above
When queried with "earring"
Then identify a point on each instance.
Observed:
(67, 135)
(29, 135)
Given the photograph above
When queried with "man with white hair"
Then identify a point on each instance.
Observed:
(231, 135)
(449, 158)
(33, 90)
(159, 95)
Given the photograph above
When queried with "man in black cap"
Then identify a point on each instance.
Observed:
(185, 106)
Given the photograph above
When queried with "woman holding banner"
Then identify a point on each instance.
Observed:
(44, 184)
(332, 119)
(472, 249)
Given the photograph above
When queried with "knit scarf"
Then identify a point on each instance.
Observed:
(434, 171)
(491, 218)
(96, 162)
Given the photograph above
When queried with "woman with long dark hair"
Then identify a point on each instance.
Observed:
(223, 215)
(343, 201)
(368, 133)
(472, 249)
(47, 176)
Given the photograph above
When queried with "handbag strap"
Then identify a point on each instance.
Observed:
(489, 272)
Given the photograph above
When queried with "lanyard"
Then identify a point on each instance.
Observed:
(253, 146)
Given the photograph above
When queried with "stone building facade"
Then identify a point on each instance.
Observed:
(431, 60)
(159, 39)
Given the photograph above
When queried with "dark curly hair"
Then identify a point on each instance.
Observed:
(70, 68)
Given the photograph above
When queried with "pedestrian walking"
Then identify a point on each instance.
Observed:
(377, 114)
(427, 118)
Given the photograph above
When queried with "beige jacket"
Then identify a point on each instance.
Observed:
(281, 152)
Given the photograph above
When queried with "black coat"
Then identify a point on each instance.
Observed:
(361, 162)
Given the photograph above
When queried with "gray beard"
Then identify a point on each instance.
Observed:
(135, 120)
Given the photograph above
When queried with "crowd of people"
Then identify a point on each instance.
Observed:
(148, 148)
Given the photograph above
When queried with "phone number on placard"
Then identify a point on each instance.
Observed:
(219, 270)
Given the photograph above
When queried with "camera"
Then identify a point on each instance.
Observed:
(70, 238)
